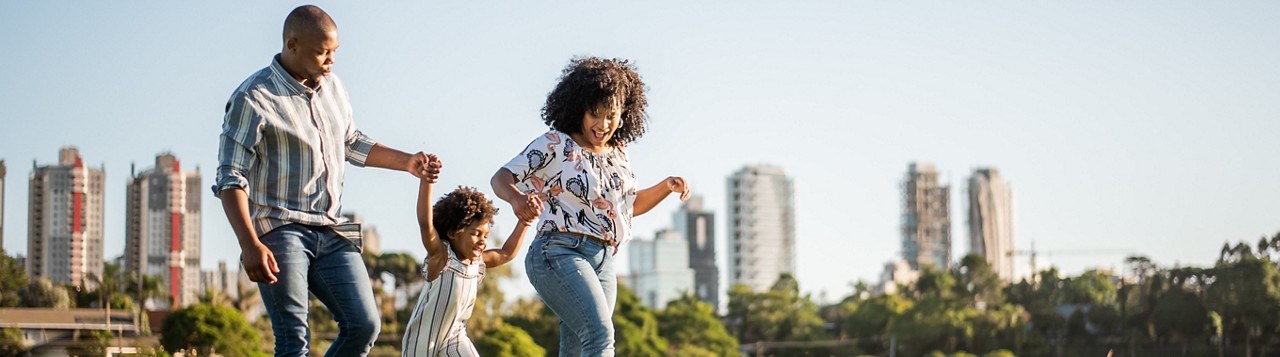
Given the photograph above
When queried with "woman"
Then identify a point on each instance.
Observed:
(576, 181)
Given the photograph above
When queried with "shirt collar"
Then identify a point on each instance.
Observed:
(278, 71)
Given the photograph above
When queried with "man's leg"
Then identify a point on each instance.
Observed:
(287, 301)
(339, 279)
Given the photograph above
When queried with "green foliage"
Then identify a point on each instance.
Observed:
(12, 278)
(691, 326)
(508, 341)
(43, 293)
(635, 327)
(207, 328)
(779, 314)
(999, 353)
(11, 343)
(538, 321)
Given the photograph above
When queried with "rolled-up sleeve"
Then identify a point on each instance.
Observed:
(241, 131)
(358, 146)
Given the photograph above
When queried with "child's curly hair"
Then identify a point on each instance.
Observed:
(461, 208)
(590, 82)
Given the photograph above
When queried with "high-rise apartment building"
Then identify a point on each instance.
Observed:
(761, 224)
(660, 268)
(697, 226)
(991, 220)
(64, 225)
(926, 218)
(162, 229)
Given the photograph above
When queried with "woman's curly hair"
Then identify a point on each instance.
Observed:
(589, 82)
(461, 208)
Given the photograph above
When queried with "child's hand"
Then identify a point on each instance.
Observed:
(527, 209)
(425, 166)
(678, 184)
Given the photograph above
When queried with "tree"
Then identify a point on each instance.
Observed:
(145, 288)
(778, 314)
(43, 293)
(508, 341)
(1182, 315)
(532, 316)
(1246, 293)
(12, 278)
(979, 286)
(635, 327)
(873, 319)
(206, 329)
(687, 321)
(11, 344)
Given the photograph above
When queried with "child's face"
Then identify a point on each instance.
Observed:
(470, 241)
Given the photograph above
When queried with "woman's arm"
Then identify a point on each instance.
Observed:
(500, 256)
(526, 206)
(649, 198)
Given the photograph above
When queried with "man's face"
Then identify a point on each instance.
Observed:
(311, 55)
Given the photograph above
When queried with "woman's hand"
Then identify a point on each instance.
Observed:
(527, 208)
(677, 184)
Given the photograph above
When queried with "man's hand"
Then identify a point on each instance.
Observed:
(259, 263)
(425, 166)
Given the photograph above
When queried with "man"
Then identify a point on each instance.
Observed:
(287, 130)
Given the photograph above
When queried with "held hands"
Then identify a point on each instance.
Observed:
(677, 184)
(528, 207)
(425, 166)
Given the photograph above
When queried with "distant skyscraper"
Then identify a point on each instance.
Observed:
(991, 220)
(64, 234)
(926, 219)
(761, 221)
(660, 268)
(162, 228)
(697, 226)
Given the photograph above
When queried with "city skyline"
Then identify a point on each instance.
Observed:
(1136, 126)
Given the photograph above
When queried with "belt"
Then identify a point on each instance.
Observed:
(608, 242)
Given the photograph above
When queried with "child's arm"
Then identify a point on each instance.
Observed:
(648, 198)
(500, 256)
(430, 239)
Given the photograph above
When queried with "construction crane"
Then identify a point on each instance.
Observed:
(1033, 253)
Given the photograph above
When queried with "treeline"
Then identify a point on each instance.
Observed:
(1229, 309)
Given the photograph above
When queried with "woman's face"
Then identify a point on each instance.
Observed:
(599, 124)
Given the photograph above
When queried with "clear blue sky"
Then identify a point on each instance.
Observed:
(1142, 126)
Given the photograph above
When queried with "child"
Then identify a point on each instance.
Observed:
(454, 232)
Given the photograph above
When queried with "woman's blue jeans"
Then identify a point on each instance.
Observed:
(318, 260)
(574, 276)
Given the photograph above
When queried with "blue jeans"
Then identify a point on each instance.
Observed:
(318, 260)
(574, 276)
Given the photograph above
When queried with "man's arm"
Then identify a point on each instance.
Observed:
(392, 159)
(259, 263)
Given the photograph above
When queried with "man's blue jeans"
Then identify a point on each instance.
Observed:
(574, 276)
(317, 260)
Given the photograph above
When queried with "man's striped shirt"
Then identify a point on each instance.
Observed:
(284, 144)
